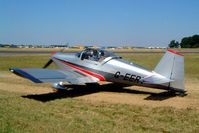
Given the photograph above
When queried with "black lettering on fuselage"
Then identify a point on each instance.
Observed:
(128, 77)
(137, 79)
(132, 78)
(117, 74)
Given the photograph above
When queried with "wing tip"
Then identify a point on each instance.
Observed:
(24, 74)
(175, 52)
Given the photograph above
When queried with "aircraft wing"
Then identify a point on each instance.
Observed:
(51, 75)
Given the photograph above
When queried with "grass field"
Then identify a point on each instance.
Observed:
(27, 107)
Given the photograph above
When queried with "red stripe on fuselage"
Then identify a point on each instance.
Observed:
(100, 77)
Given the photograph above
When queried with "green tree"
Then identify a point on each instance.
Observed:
(195, 41)
(174, 44)
(190, 42)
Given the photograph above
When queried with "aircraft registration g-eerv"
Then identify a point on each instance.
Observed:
(94, 65)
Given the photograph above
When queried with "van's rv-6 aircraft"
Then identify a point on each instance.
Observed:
(93, 65)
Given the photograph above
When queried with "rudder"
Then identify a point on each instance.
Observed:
(172, 66)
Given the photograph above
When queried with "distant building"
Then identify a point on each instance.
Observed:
(78, 47)
(58, 46)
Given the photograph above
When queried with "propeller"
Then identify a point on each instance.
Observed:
(48, 63)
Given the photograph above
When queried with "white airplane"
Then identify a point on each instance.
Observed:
(94, 65)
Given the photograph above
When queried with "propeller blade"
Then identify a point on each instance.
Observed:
(48, 63)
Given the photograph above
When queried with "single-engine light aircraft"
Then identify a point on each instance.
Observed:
(93, 65)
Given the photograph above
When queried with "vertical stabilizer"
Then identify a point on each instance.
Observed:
(172, 66)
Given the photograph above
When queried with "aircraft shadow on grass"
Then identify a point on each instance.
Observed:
(80, 90)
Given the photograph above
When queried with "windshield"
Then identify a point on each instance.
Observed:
(95, 54)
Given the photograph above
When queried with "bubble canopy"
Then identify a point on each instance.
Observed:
(94, 54)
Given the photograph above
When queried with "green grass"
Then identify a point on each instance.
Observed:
(148, 61)
(19, 114)
(24, 61)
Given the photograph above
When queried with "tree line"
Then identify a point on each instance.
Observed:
(186, 42)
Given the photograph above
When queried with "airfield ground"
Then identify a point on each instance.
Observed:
(28, 107)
